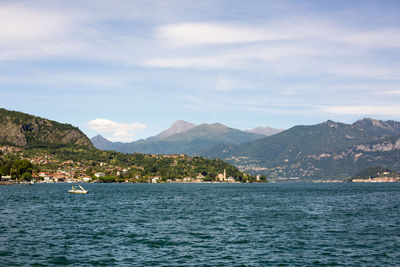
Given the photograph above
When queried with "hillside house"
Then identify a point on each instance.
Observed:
(5, 178)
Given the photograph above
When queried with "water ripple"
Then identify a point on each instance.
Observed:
(201, 224)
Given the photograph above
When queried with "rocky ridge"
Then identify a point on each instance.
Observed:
(22, 129)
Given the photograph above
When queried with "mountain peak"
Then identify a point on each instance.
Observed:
(180, 123)
(378, 126)
(372, 122)
(100, 142)
(99, 137)
(212, 127)
(217, 125)
(330, 122)
(267, 131)
(177, 127)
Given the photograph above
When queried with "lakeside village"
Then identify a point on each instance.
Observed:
(20, 166)
(45, 168)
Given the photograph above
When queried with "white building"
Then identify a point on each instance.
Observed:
(155, 180)
(86, 179)
(5, 178)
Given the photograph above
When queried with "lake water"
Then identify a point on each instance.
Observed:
(201, 225)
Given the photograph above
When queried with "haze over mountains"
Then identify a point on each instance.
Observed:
(321, 151)
(267, 131)
(181, 138)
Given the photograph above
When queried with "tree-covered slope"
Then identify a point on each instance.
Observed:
(118, 167)
(30, 144)
(373, 172)
(20, 129)
(323, 150)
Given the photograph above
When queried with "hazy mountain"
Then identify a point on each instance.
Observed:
(178, 127)
(215, 132)
(20, 129)
(102, 143)
(267, 131)
(190, 142)
(322, 150)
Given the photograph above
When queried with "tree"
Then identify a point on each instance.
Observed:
(20, 167)
(26, 176)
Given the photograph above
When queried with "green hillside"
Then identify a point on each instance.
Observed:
(374, 172)
(80, 161)
(324, 150)
(30, 144)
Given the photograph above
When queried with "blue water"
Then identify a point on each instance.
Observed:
(201, 225)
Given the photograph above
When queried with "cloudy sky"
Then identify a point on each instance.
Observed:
(129, 69)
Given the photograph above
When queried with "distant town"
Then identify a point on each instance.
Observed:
(47, 168)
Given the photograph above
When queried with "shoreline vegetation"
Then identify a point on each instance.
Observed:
(82, 165)
(74, 164)
(40, 150)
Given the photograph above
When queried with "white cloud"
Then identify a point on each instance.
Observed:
(374, 38)
(224, 84)
(311, 46)
(391, 92)
(189, 34)
(214, 33)
(305, 58)
(186, 62)
(277, 54)
(33, 33)
(235, 58)
(124, 132)
(365, 110)
(23, 24)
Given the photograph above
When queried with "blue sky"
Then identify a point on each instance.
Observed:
(129, 69)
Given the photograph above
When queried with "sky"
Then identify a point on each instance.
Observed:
(129, 69)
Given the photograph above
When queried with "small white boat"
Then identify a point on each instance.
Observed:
(79, 190)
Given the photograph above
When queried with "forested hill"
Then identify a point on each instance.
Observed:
(30, 145)
(328, 149)
(24, 130)
(78, 162)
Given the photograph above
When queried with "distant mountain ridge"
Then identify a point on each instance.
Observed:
(327, 149)
(267, 131)
(181, 138)
(101, 142)
(178, 127)
(323, 151)
(21, 129)
(308, 152)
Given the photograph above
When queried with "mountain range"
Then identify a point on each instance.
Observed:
(35, 144)
(322, 151)
(307, 152)
(328, 149)
(181, 138)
